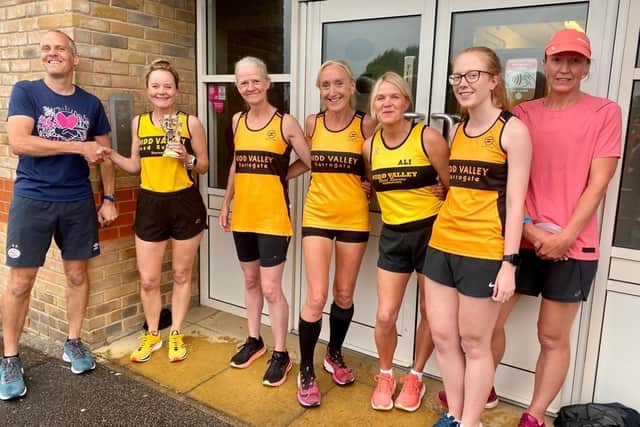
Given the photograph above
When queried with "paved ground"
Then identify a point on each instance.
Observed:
(103, 397)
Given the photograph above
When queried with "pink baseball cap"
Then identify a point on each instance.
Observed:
(569, 41)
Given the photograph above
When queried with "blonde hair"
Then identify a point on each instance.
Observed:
(162, 64)
(337, 63)
(252, 60)
(345, 67)
(494, 66)
(394, 79)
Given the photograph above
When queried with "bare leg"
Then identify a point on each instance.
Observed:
(424, 342)
(77, 294)
(391, 287)
(499, 338)
(271, 283)
(476, 318)
(442, 311)
(149, 256)
(252, 295)
(554, 329)
(15, 305)
(348, 260)
(317, 261)
(183, 254)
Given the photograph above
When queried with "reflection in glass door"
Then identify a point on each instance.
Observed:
(372, 47)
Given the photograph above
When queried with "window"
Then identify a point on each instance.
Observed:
(518, 36)
(627, 231)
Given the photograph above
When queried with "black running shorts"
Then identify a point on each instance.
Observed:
(403, 251)
(270, 250)
(473, 277)
(178, 215)
(563, 281)
(338, 235)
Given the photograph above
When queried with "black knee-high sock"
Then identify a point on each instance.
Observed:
(339, 321)
(309, 334)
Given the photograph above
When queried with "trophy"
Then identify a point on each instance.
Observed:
(171, 125)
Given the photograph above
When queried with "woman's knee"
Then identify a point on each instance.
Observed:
(181, 276)
(386, 317)
(315, 302)
(476, 346)
(343, 297)
(272, 292)
(149, 283)
(553, 340)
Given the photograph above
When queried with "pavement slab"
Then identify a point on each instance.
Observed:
(102, 397)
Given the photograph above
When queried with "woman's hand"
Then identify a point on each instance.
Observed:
(180, 150)
(554, 247)
(367, 188)
(223, 220)
(505, 283)
(439, 190)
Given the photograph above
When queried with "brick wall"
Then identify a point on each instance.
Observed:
(115, 39)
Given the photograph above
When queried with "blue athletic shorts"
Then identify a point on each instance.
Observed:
(32, 224)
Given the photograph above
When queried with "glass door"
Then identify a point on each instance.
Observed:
(611, 371)
(518, 30)
(372, 37)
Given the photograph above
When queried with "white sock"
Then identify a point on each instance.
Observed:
(386, 371)
(416, 373)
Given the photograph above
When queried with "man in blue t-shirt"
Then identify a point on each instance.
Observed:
(56, 129)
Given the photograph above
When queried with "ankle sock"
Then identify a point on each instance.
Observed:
(416, 373)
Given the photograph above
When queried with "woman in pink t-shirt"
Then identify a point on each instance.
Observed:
(576, 146)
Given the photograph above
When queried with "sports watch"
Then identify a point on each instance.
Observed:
(512, 259)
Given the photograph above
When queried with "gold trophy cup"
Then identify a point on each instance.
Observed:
(171, 125)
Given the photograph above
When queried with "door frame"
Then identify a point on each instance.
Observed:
(623, 74)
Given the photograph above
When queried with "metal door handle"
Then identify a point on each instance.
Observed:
(449, 121)
(414, 117)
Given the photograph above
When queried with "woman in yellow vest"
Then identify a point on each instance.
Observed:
(406, 160)
(336, 208)
(263, 139)
(169, 206)
(472, 256)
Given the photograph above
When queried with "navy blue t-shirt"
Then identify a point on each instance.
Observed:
(76, 117)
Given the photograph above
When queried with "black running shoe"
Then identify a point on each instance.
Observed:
(252, 349)
(279, 367)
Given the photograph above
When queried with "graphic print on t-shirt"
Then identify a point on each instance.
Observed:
(62, 124)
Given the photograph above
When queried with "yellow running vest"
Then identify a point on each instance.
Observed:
(471, 221)
(401, 177)
(335, 199)
(261, 198)
(157, 173)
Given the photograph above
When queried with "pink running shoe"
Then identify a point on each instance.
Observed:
(340, 372)
(492, 400)
(308, 391)
(382, 399)
(411, 394)
(528, 420)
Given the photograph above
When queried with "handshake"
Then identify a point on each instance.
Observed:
(95, 153)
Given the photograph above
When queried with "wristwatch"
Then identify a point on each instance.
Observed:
(193, 161)
(109, 197)
(512, 259)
